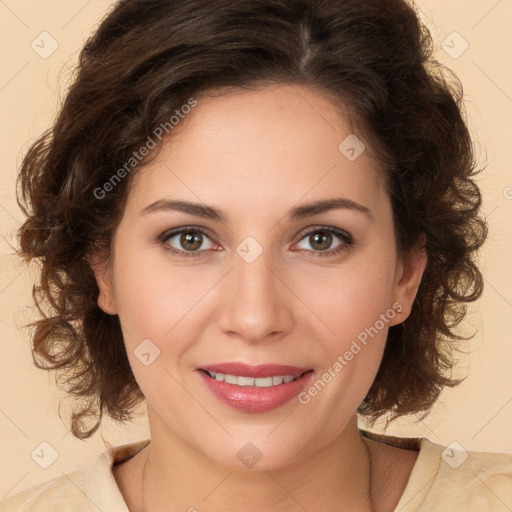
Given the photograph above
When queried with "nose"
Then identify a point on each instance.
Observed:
(258, 304)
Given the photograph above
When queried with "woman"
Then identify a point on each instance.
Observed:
(261, 218)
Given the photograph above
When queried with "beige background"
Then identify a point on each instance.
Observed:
(478, 414)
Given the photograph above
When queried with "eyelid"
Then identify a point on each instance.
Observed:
(344, 236)
(171, 233)
(341, 233)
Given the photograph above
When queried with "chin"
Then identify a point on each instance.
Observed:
(253, 449)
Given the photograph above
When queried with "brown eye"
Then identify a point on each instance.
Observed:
(191, 240)
(320, 240)
(187, 242)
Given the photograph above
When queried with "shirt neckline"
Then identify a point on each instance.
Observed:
(422, 474)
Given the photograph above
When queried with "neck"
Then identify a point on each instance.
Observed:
(337, 477)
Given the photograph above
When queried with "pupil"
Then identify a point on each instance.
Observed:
(188, 239)
(318, 238)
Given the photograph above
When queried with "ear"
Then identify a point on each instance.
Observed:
(103, 273)
(410, 270)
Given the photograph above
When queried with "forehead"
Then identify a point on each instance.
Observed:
(280, 142)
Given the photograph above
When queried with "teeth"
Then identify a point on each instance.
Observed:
(230, 379)
(245, 381)
(260, 382)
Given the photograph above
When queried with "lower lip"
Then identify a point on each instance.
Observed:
(252, 398)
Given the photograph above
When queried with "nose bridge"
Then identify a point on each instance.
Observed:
(257, 305)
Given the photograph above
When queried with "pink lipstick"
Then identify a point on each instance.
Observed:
(255, 388)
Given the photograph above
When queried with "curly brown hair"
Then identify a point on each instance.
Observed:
(146, 59)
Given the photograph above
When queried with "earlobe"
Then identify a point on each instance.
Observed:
(103, 275)
(412, 267)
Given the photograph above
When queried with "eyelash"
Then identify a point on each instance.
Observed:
(342, 235)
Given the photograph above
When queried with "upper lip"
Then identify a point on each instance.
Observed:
(260, 370)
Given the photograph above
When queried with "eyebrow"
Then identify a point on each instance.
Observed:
(197, 209)
(325, 205)
(297, 213)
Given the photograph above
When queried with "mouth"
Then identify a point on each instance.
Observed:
(258, 382)
(255, 388)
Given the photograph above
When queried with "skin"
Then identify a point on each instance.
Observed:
(255, 155)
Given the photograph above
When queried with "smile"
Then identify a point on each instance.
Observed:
(260, 382)
(260, 388)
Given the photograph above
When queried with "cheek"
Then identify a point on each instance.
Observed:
(157, 300)
(355, 305)
(156, 312)
(351, 298)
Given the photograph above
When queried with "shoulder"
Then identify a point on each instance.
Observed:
(55, 495)
(87, 489)
(450, 477)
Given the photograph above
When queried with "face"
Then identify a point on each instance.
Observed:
(252, 277)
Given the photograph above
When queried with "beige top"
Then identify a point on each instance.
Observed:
(443, 479)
